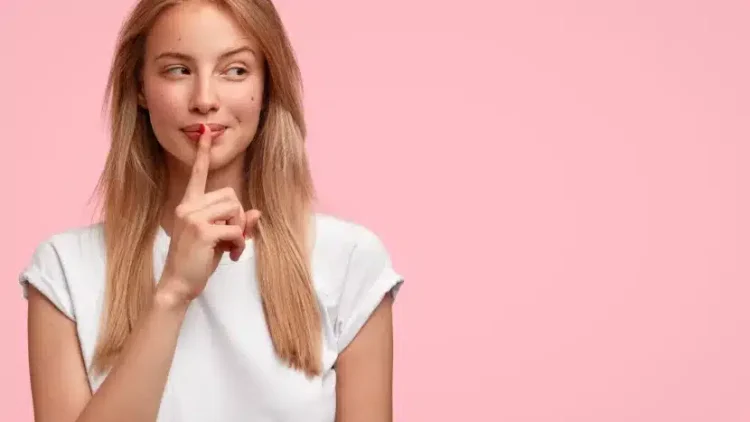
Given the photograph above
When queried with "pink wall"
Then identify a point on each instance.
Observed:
(565, 185)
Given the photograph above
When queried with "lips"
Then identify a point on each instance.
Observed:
(215, 127)
(193, 131)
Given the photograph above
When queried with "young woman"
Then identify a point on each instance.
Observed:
(210, 290)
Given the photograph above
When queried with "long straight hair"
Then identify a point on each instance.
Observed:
(132, 190)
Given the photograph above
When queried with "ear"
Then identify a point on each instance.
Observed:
(142, 100)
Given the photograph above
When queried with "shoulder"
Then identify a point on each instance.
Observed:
(339, 234)
(76, 253)
(72, 243)
(355, 272)
(70, 247)
(79, 238)
(361, 249)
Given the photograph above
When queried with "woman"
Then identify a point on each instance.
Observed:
(210, 290)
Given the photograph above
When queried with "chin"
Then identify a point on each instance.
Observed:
(223, 155)
(224, 151)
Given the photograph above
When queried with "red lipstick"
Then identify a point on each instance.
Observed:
(195, 131)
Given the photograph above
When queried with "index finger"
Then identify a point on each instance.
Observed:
(196, 186)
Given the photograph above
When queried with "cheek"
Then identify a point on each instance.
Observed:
(244, 102)
(164, 102)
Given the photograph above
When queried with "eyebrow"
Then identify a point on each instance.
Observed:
(224, 55)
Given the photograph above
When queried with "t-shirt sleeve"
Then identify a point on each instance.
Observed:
(370, 276)
(45, 273)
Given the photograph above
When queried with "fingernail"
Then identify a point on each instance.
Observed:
(202, 129)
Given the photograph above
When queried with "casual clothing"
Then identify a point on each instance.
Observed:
(225, 368)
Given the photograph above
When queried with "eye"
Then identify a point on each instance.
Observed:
(237, 72)
(177, 70)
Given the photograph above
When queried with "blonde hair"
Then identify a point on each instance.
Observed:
(132, 191)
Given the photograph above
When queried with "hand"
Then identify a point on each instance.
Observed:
(206, 225)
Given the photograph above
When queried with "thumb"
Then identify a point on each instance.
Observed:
(251, 223)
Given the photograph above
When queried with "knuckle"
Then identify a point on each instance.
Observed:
(192, 222)
(231, 231)
(202, 233)
(180, 212)
(229, 192)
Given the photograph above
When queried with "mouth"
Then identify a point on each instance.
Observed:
(193, 131)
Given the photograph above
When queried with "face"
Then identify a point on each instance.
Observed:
(199, 67)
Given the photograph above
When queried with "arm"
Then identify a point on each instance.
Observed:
(59, 388)
(364, 371)
(133, 389)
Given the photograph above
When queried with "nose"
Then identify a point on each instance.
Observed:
(204, 99)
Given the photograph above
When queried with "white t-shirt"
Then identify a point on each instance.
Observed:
(225, 368)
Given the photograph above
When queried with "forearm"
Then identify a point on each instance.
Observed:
(134, 387)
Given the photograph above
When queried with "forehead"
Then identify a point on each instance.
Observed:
(196, 28)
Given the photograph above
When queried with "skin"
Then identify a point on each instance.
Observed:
(202, 86)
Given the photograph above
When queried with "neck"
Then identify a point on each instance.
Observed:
(231, 175)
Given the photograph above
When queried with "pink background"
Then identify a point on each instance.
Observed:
(564, 184)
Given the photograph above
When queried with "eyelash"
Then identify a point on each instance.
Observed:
(240, 68)
(171, 69)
